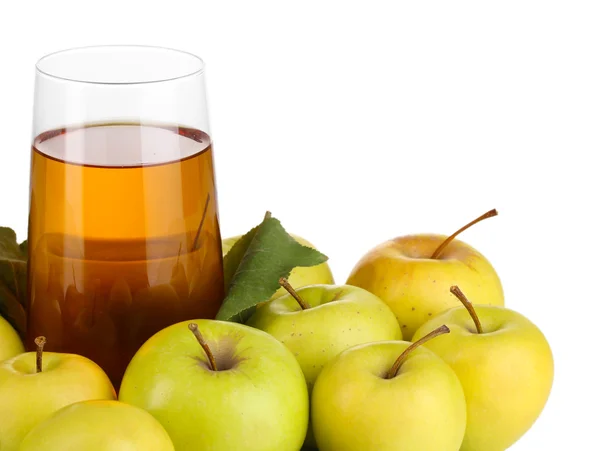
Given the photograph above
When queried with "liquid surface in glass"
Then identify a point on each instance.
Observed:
(123, 238)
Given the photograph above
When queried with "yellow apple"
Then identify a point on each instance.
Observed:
(300, 276)
(10, 343)
(505, 367)
(318, 322)
(388, 396)
(98, 426)
(412, 275)
(33, 387)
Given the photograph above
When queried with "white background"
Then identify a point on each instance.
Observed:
(356, 122)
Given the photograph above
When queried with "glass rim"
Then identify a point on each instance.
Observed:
(73, 51)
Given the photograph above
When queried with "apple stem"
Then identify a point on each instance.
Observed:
(285, 284)
(211, 358)
(39, 342)
(197, 237)
(393, 372)
(447, 241)
(267, 215)
(462, 298)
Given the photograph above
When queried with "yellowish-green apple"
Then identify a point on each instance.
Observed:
(318, 322)
(10, 343)
(412, 275)
(34, 386)
(98, 426)
(221, 386)
(505, 366)
(300, 276)
(388, 396)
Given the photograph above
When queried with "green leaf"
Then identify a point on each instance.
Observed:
(13, 279)
(255, 264)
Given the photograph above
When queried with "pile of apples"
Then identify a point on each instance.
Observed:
(322, 366)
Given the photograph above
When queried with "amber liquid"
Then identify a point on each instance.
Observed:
(123, 238)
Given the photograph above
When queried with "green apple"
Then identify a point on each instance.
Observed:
(388, 396)
(300, 276)
(228, 243)
(318, 322)
(505, 366)
(412, 275)
(10, 343)
(230, 387)
(33, 387)
(98, 426)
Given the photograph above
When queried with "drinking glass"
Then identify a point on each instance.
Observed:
(123, 230)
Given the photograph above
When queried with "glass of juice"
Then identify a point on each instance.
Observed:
(123, 228)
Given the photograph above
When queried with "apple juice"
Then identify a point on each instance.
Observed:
(123, 238)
